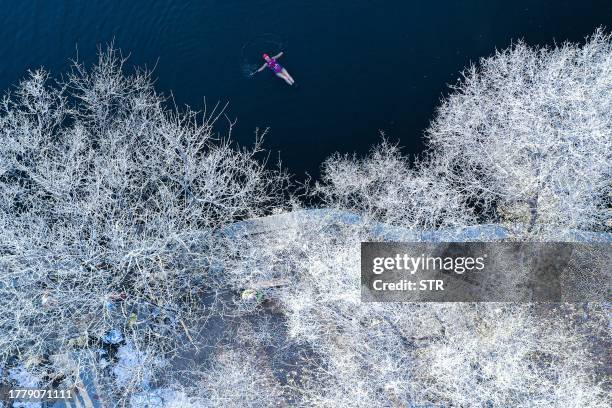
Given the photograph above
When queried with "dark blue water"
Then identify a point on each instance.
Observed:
(362, 66)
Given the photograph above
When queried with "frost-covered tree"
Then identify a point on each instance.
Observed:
(360, 354)
(526, 135)
(109, 200)
(384, 187)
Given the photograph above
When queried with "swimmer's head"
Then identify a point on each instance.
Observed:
(266, 57)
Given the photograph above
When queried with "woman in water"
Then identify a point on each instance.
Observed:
(276, 68)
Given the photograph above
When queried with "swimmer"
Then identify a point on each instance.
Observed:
(276, 68)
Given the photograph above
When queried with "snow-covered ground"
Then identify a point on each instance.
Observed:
(128, 357)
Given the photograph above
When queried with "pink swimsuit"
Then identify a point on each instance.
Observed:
(275, 66)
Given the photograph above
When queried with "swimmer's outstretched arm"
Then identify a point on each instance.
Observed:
(260, 68)
(280, 54)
